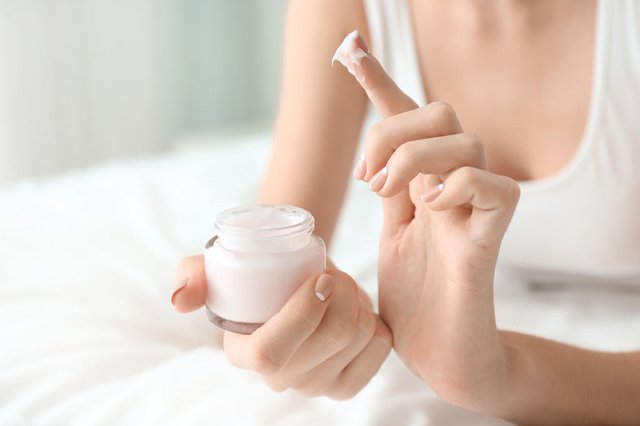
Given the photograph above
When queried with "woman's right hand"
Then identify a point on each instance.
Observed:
(317, 347)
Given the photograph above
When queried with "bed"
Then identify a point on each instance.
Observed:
(88, 335)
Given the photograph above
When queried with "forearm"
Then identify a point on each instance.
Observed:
(554, 383)
(320, 113)
(312, 174)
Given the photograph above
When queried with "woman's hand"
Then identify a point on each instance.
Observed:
(330, 347)
(444, 218)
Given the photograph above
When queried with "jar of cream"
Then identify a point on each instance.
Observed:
(260, 255)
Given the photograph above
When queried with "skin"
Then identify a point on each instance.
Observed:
(438, 246)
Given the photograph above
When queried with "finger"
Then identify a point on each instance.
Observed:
(383, 92)
(385, 137)
(360, 371)
(315, 366)
(364, 298)
(493, 199)
(272, 345)
(336, 329)
(438, 156)
(389, 100)
(190, 287)
(363, 367)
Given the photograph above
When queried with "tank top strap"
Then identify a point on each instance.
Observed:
(392, 41)
(625, 34)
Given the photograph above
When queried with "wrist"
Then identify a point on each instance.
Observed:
(479, 380)
(521, 391)
(505, 387)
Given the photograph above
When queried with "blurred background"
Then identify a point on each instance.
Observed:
(85, 81)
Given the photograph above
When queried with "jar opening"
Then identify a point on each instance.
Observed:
(260, 227)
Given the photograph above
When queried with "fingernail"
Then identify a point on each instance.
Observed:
(361, 169)
(377, 181)
(324, 287)
(179, 286)
(432, 193)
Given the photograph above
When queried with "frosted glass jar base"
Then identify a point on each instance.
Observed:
(233, 326)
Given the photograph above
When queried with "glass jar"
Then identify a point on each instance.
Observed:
(259, 257)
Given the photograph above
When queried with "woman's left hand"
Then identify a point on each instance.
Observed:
(444, 219)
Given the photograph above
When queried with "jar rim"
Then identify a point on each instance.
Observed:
(292, 220)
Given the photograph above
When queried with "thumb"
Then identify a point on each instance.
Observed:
(190, 288)
(389, 100)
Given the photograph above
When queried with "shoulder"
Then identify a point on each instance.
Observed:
(311, 88)
(336, 18)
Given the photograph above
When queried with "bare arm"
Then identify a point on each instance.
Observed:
(551, 382)
(320, 114)
(326, 340)
(437, 296)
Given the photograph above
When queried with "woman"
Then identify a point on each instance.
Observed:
(523, 103)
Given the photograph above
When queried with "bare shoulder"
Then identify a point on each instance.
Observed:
(335, 16)
(311, 88)
(315, 28)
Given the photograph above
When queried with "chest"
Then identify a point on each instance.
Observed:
(527, 95)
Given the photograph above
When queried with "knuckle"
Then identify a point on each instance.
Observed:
(442, 112)
(473, 143)
(275, 383)
(474, 149)
(377, 146)
(376, 134)
(348, 385)
(442, 108)
(366, 324)
(262, 360)
(451, 390)
(343, 393)
(383, 335)
(403, 155)
(342, 334)
(466, 175)
(512, 190)
(312, 391)
(343, 331)
(307, 392)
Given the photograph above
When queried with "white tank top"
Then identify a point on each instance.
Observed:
(582, 224)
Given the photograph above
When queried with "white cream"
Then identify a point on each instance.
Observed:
(349, 52)
(261, 255)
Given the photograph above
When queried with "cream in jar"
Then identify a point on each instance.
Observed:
(259, 257)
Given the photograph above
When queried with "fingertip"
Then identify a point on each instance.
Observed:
(360, 41)
(360, 170)
(350, 52)
(393, 185)
(180, 285)
(188, 297)
(189, 291)
(323, 289)
(432, 193)
(377, 182)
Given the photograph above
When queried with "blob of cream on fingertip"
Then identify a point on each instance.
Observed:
(349, 52)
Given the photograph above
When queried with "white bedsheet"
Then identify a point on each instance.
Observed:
(88, 336)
